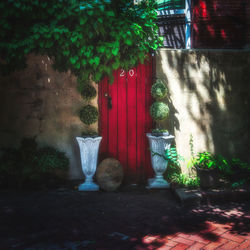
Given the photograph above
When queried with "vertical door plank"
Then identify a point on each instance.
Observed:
(131, 112)
(103, 117)
(149, 122)
(122, 120)
(141, 120)
(112, 137)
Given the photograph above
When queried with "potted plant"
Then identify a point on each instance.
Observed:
(159, 139)
(89, 141)
(205, 164)
(89, 148)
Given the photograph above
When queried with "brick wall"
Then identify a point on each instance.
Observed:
(220, 23)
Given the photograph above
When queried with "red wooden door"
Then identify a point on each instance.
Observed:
(125, 119)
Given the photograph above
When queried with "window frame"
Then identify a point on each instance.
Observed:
(187, 13)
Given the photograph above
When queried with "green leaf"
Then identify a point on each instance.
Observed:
(84, 62)
(83, 20)
(73, 39)
(101, 49)
(66, 52)
(128, 41)
(56, 35)
(73, 60)
(110, 13)
(90, 12)
(116, 65)
(78, 65)
(115, 51)
(98, 76)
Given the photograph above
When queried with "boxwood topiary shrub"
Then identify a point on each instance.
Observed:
(90, 133)
(159, 89)
(159, 111)
(89, 114)
(88, 92)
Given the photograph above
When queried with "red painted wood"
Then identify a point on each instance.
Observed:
(124, 127)
(112, 117)
(122, 120)
(131, 120)
(141, 120)
(149, 121)
(103, 118)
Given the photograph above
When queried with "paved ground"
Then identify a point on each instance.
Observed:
(131, 219)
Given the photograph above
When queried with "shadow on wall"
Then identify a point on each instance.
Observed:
(42, 103)
(209, 94)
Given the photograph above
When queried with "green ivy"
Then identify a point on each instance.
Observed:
(91, 38)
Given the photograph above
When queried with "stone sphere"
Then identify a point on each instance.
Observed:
(109, 174)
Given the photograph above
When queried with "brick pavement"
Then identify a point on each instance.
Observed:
(122, 220)
(224, 239)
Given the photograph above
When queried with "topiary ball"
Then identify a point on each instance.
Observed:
(159, 90)
(88, 92)
(89, 114)
(159, 111)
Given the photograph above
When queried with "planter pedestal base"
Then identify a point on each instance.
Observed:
(157, 183)
(88, 187)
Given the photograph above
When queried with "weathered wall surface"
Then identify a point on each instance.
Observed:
(43, 103)
(209, 98)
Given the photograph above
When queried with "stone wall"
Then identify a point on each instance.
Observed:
(209, 98)
(43, 103)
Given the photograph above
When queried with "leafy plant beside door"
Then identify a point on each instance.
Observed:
(90, 38)
(159, 140)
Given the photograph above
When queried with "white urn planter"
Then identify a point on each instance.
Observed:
(158, 145)
(89, 148)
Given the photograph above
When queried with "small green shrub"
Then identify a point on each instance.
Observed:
(158, 90)
(183, 180)
(49, 159)
(88, 92)
(89, 114)
(29, 166)
(159, 111)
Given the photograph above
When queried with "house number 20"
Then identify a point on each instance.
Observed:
(131, 72)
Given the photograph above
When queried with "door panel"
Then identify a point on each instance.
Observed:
(123, 125)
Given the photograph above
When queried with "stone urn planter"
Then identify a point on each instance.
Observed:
(89, 148)
(208, 177)
(158, 146)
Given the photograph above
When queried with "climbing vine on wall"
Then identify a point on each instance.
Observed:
(91, 38)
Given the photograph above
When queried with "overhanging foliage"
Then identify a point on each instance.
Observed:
(88, 37)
